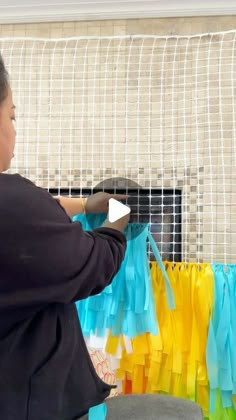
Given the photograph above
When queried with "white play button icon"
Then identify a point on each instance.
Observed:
(139, 216)
(116, 210)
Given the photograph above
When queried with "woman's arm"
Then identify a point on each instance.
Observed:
(44, 256)
(72, 205)
(95, 203)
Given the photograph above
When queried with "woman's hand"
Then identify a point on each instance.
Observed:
(98, 202)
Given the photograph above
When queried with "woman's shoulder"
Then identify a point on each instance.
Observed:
(27, 199)
(14, 179)
(16, 190)
(21, 190)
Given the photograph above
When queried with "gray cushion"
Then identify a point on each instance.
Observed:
(151, 407)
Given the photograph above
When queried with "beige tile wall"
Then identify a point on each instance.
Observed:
(156, 26)
(161, 131)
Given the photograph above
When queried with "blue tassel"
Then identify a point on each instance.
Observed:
(127, 305)
(169, 291)
(98, 412)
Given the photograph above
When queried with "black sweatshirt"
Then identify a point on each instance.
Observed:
(47, 263)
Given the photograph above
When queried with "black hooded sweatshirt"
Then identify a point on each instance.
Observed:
(47, 262)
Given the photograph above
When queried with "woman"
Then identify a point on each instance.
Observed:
(46, 264)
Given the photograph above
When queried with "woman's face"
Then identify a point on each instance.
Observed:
(7, 131)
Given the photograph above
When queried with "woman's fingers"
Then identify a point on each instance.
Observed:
(119, 196)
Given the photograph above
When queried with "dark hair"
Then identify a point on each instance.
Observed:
(3, 81)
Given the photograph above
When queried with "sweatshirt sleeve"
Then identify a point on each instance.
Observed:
(46, 258)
